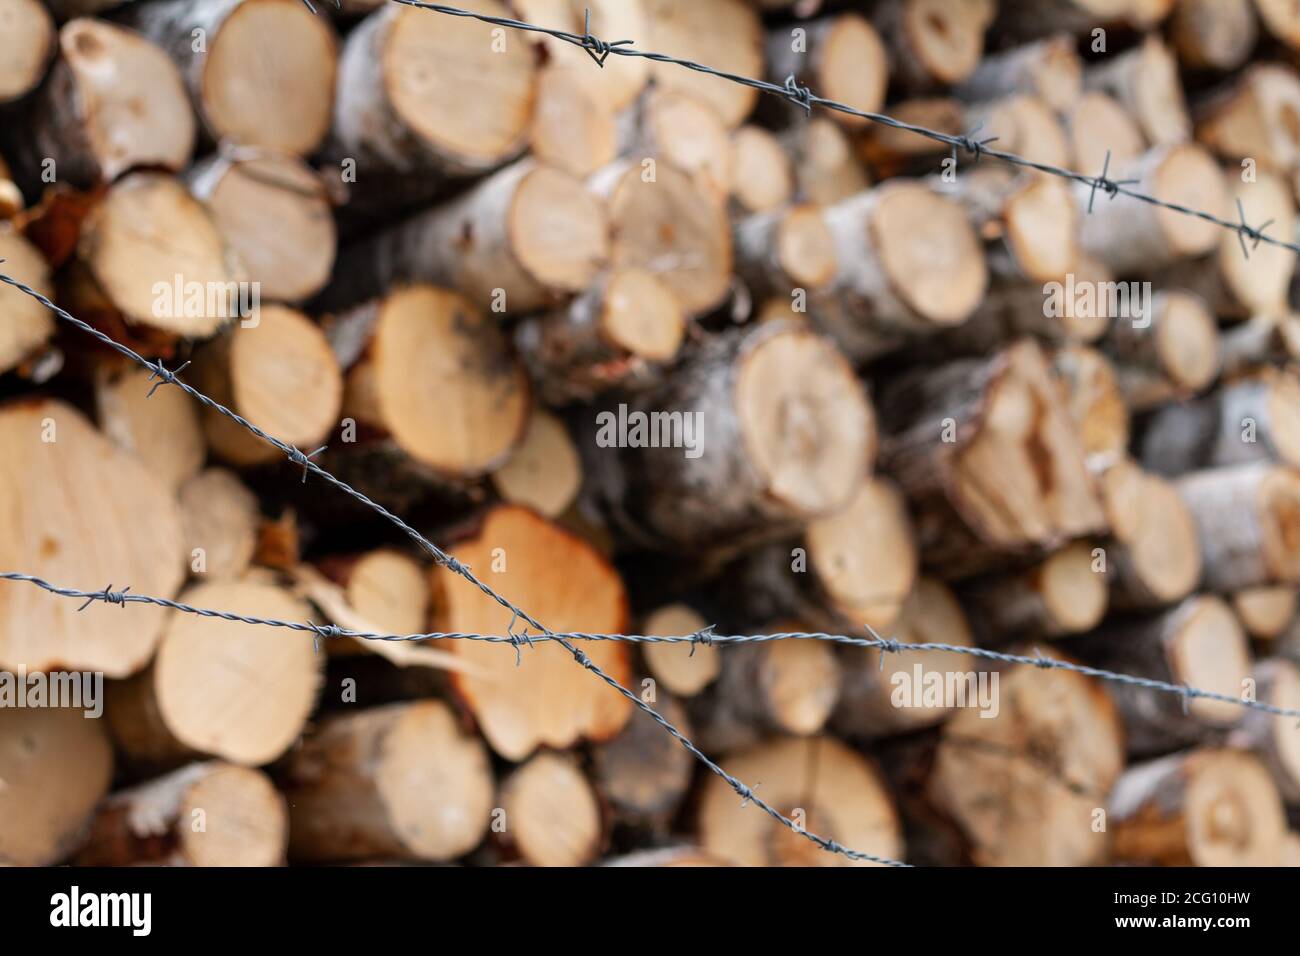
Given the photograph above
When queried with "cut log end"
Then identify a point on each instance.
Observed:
(26, 42)
(684, 669)
(552, 816)
(545, 471)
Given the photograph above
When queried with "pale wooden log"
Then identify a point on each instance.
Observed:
(762, 177)
(1048, 69)
(205, 814)
(840, 57)
(221, 518)
(206, 691)
(545, 472)
(25, 324)
(1061, 595)
(622, 78)
(684, 130)
(547, 699)
(1213, 34)
(552, 817)
(889, 151)
(274, 212)
(403, 781)
(387, 588)
(1197, 643)
(281, 375)
(1200, 808)
(869, 705)
(826, 165)
(1265, 612)
(933, 42)
(62, 485)
(1096, 125)
(26, 46)
(1145, 81)
(781, 430)
(726, 34)
(574, 128)
(830, 790)
(622, 333)
(264, 74)
(782, 253)
(644, 773)
(1281, 20)
(1134, 237)
(1273, 738)
(1245, 518)
(114, 101)
(1169, 352)
(56, 765)
(163, 432)
(1254, 116)
(1022, 786)
(1022, 124)
(684, 669)
(1094, 399)
(1262, 340)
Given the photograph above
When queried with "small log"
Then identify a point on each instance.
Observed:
(781, 433)
(545, 471)
(826, 165)
(684, 669)
(552, 817)
(25, 324)
(1281, 20)
(762, 177)
(623, 77)
(1200, 808)
(824, 786)
(403, 782)
(933, 42)
(644, 773)
(1049, 69)
(56, 765)
(1262, 340)
(1097, 125)
(281, 375)
(1024, 125)
(206, 814)
(727, 35)
(26, 47)
(1273, 738)
(1252, 117)
(163, 432)
(1095, 400)
(206, 690)
(1266, 612)
(1213, 34)
(544, 698)
(574, 128)
(265, 73)
(1198, 643)
(1168, 353)
(1063, 594)
(840, 57)
(889, 151)
(782, 253)
(683, 130)
(386, 587)
(870, 705)
(221, 517)
(1145, 81)
(64, 485)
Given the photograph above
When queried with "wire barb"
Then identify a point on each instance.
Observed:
(108, 596)
(164, 375)
(298, 458)
(704, 636)
(972, 146)
(596, 48)
(800, 96)
(1110, 187)
(1244, 231)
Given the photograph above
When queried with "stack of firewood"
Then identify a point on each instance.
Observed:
(900, 391)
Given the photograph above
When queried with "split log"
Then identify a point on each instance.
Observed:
(274, 212)
(574, 128)
(206, 814)
(771, 429)
(933, 42)
(278, 373)
(163, 432)
(263, 74)
(402, 782)
(727, 35)
(619, 334)
(1246, 519)
(1265, 612)
(1095, 401)
(1213, 34)
(114, 101)
(684, 669)
(1048, 69)
(990, 457)
(1253, 117)
(1274, 738)
(1096, 125)
(1023, 785)
(761, 176)
(545, 472)
(623, 77)
(870, 703)
(221, 517)
(544, 698)
(1024, 125)
(552, 816)
(56, 764)
(25, 324)
(1249, 421)
(644, 773)
(840, 57)
(62, 485)
(1197, 643)
(1063, 594)
(1134, 237)
(206, 691)
(26, 46)
(683, 130)
(826, 166)
(824, 786)
(1153, 557)
(1201, 808)
(1145, 81)
(527, 237)
(1167, 353)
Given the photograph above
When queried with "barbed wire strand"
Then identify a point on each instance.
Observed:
(166, 376)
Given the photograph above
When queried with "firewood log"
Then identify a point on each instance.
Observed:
(840, 57)
(1256, 419)
(281, 375)
(206, 691)
(1094, 399)
(1023, 786)
(26, 46)
(1264, 339)
(784, 250)
(620, 334)
(1248, 117)
(821, 784)
(1266, 612)
(681, 129)
(26, 324)
(643, 773)
(1145, 81)
(53, 510)
(1063, 594)
(988, 454)
(727, 35)
(273, 211)
(114, 101)
(1097, 125)
(260, 72)
(56, 764)
(1198, 643)
(1168, 353)
(386, 587)
(1024, 125)
(762, 177)
(622, 78)
(221, 517)
(545, 471)
(552, 817)
(825, 161)
(1273, 738)
(574, 128)
(1048, 69)
(163, 432)
(546, 698)
(1281, 20)
(205, 814)
(1213, 34)
(684, 669)
(1200, 808)
(402, 782)
(888, 151)
(868, 705)
(933, 42)
(1245, 518)
(773, 429)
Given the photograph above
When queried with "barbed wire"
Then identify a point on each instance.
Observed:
(806, 99)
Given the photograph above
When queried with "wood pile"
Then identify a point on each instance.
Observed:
(650, 354)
